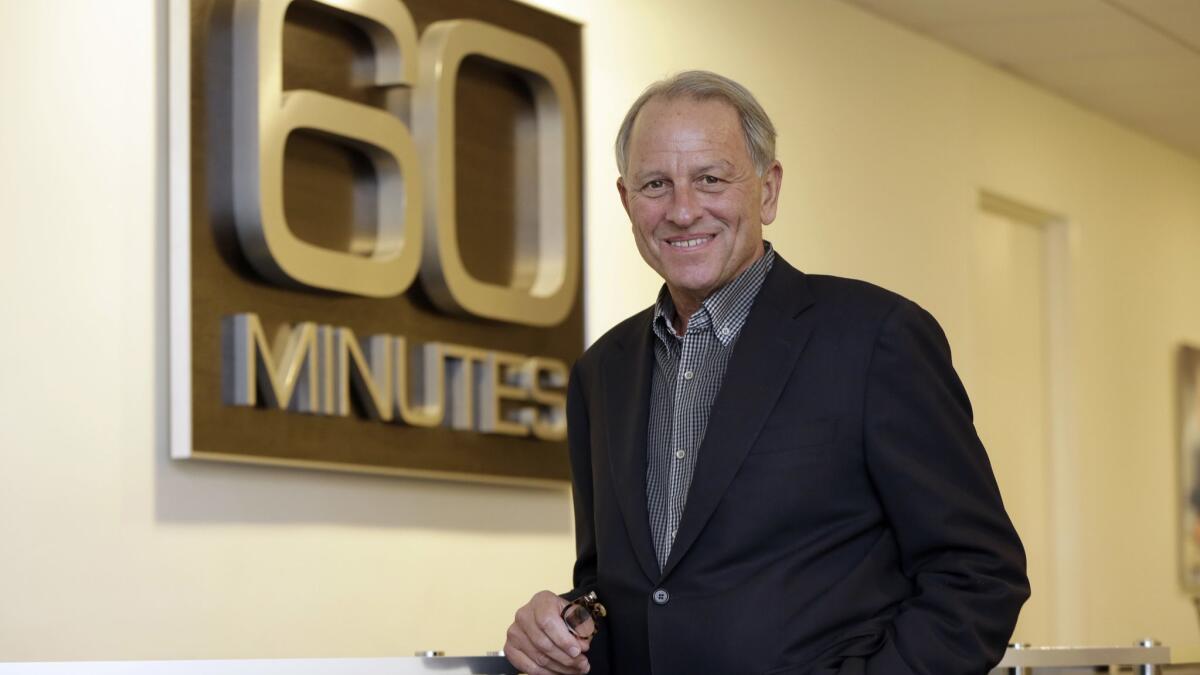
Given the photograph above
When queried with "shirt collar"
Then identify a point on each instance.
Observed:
(725, 311)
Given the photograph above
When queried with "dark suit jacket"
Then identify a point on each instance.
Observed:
(843, 517)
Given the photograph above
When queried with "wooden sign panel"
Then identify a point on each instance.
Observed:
(379, 268)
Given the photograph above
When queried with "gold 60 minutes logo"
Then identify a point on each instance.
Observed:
(416, 232)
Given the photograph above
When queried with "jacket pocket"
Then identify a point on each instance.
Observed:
(848, 656)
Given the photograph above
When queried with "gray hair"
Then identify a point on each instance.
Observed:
(702, 85)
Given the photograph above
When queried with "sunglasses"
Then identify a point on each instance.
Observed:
(582, 616)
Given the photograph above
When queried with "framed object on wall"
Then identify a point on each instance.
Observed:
(1189, 467)
(375, 235)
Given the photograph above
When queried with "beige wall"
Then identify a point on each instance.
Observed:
(107, 548)
(112, 551)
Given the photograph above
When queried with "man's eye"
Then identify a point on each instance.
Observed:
(710, 180)
(655, 185)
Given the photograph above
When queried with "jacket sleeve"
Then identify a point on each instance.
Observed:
(936, 485)
(579, 443)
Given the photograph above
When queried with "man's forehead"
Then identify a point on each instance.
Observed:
(683, 129)
(714, 112)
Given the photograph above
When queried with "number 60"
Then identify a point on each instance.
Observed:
(415, 170)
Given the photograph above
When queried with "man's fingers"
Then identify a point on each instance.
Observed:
(521, 661)
(529, 664)
(548, 614)
(542, 624)
(542, 652)
(539, 633)
(540, 640)
(554, 628)
(557, 656)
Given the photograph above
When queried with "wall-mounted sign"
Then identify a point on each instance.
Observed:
(375, 235)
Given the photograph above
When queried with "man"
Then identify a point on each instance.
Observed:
(773, 472)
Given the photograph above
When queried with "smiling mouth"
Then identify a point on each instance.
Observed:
(693, 242)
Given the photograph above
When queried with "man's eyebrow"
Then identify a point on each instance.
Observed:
(719, 165)
(646, 176)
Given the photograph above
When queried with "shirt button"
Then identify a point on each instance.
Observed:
(687, 375)
(661, 596)
(679, 454)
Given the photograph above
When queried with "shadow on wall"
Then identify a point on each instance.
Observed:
(197, 491)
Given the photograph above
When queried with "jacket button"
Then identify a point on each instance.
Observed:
(661, 596)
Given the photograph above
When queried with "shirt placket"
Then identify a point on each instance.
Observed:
(683, 421)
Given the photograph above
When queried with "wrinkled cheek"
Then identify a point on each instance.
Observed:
(644, 234)
(646, 250)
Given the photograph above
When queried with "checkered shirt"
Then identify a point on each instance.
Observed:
(688, 371)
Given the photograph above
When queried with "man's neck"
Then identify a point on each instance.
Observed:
(684, 309)
(687, 304)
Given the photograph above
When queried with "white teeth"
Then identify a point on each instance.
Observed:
(689, 243)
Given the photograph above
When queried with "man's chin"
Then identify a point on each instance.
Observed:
(692, 287)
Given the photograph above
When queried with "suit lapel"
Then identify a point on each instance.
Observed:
(627, 374)
(762, 361)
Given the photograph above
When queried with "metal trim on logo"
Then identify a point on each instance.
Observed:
(548, 297)
(265, 116)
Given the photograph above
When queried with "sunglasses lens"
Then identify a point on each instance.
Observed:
(580, 620)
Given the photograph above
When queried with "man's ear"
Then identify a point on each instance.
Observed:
(621, 190)
(772, 181)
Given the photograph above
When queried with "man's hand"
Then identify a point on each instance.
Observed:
(539, 642)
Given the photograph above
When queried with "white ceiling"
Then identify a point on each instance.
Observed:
(1136, 61)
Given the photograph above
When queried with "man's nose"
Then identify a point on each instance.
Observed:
(685, 207)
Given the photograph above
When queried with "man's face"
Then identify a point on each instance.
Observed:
(696, 204)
